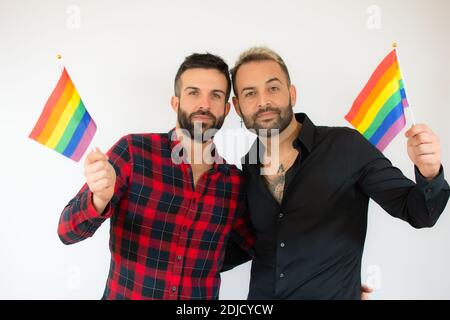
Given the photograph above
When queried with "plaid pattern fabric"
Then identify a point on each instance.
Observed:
(167, 240)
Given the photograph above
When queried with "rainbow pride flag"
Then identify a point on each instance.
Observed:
(65, 125)
(378, 111)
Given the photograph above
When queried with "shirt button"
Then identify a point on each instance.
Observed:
(282, 244)
(174, 289)
(429, 190)
(179, 258)
(431, 210)
(280, 215)
(281, 275)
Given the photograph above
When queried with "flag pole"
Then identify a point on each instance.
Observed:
(61, 66)
(411, 113)
(59, 58)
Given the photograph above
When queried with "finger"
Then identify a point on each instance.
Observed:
(94, 156)
(97, 176)
(422, 138)
(97, 166)
(100, 186)
(417, 129)
(425, 149)
(366, 288)
(101, 152)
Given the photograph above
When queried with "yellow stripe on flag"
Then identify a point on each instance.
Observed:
(64, 120)
(392, 87)
(56, 113)
(380, 85)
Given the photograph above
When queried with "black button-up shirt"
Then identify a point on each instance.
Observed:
(310, 246)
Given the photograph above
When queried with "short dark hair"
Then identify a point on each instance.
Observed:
(203, 61)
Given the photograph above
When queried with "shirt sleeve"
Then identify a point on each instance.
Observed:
(239, 248)
(79, 219)
(420, 204)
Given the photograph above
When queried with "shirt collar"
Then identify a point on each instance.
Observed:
(305, 138)
(304, 142)
(219, 163)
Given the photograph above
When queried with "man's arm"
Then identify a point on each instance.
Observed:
(106, 181)
(234, 256)
(239, 248)
(420, 203)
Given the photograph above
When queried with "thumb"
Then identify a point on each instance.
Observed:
(366, 288)
(408, 132)
(101, 153)
(95, 155)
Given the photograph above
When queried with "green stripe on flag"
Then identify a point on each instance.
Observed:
(388, 106)
(71, 127)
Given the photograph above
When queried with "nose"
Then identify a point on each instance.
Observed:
(264, 100)
(205, 103)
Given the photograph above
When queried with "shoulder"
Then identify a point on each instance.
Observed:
(234, 170)
(146, 140)
(336, 133)
(341, 137)
(344, 143)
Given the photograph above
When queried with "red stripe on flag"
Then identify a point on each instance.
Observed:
(51, 102)
(388, 61)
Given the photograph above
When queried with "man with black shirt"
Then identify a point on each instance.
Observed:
(310, 216)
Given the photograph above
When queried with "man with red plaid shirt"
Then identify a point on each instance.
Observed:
(170, 216)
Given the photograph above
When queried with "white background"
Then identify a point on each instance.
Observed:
(123, 55)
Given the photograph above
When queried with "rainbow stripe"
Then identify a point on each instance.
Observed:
(65, 125)
(378, 111)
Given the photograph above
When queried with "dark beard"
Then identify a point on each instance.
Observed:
(285, 116)
(198, 132)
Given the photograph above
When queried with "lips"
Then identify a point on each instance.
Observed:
(201, 117)
(267, 114)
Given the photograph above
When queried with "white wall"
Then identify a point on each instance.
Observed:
(123, 55)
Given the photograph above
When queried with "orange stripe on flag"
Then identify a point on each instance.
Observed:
(52, 121)
(375, 93)
(387, 62)
(52, 100)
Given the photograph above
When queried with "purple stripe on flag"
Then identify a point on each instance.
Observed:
(85, 141)
(405, 103)
(391, 133)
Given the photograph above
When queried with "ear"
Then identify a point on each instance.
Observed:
(227, 108)
(175, 103)
(293, 94)
(236, 106)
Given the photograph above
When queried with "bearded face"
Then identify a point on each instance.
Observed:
(197, 123)
(269, 120)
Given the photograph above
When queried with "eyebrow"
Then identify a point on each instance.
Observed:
(267, 82)
(197, 89)
(273, 79)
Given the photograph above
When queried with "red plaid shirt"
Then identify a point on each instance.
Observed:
(167, 240)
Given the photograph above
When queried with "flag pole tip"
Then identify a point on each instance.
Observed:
(58, 56)
(394, 45)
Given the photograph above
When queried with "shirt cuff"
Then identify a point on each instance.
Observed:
(433, 187)
(92, 212)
